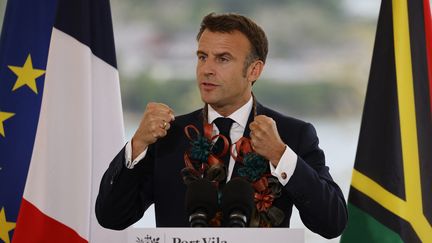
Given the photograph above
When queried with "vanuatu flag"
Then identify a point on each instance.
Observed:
(390, 198)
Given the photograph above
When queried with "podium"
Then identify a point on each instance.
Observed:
(215, 235)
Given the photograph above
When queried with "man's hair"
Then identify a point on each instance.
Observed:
(227, 23)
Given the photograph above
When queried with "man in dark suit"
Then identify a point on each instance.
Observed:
(231, 53)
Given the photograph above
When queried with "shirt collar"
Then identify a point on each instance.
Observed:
(240, 116)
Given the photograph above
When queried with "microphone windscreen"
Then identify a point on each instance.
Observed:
(201, 195)
(237, 195)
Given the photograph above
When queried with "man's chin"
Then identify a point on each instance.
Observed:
(208, 100)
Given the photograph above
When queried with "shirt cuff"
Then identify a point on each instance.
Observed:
(128, 156)
(286, 166)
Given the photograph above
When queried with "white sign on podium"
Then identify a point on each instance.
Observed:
(215, 235)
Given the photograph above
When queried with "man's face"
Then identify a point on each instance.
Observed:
(221, 80)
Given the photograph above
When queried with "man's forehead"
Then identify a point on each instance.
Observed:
(220, 42)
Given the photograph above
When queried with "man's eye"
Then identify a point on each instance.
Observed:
(202, 58)
(223, 59)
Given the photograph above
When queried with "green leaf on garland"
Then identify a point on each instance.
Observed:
(254, 166)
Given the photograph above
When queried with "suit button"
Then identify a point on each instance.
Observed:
(284, 175)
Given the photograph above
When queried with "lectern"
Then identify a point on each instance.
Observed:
(215, 235)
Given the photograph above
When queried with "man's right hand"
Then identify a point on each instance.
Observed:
(154, 125)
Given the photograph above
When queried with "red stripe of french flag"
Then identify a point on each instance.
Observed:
(42, 227)
(428, 33)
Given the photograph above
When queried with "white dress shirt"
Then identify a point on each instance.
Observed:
(284, 169)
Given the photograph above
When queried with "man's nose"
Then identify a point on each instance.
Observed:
(208, 67)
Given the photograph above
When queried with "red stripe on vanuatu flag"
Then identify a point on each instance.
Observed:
(428, 33)
(41, 228)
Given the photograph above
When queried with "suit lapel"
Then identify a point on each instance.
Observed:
(198, 121)
(195, 119)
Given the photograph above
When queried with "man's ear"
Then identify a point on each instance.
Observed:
(255, 70)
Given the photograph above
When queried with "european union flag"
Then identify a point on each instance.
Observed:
(24, 44)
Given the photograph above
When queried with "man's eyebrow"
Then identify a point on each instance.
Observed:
(217, 54)
(201, 53)
(223, 54)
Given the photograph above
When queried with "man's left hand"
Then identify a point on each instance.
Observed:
(265, 139)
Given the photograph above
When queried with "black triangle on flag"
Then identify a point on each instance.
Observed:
(390, 198)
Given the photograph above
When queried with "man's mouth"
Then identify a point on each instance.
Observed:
(208, 85)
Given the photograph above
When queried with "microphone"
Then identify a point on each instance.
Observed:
(237, 202)
(201, 201)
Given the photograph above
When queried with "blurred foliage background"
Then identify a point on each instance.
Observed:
(319, 52)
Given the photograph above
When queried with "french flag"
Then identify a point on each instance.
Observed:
(78, 131)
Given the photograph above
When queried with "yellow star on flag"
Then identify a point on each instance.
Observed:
(5, 227)
(27, 75)
(3, 117)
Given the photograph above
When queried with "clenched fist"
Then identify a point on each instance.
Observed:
(154, 125)
(265, 139)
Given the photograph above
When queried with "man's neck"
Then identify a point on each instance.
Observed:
(227, 110)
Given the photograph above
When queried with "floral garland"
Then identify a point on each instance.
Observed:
(201, 162)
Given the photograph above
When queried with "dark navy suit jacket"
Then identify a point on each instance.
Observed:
(125, 194)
